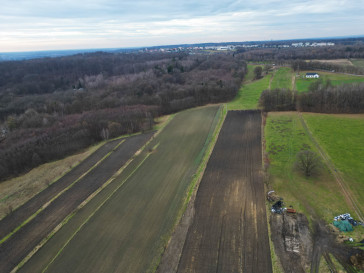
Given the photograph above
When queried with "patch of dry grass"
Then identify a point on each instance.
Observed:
(16, 191)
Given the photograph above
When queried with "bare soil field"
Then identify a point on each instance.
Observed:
(336, 61)
(13, 250)
(229, 231)
(18, 216)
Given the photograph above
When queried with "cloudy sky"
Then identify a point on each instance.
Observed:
(28, 25)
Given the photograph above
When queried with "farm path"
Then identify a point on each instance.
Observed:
(351, 200)
(229, 231)
(293, 83)
(16, 248)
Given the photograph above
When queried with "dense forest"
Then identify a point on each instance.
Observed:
(52, 107)
(282, 55)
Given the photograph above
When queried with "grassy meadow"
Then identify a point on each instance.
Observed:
(341, 136)
(302, 84)
(133, 217)
(320, 195)
(249, 94)
(282, 78)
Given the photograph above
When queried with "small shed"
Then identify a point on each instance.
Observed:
(312, 75)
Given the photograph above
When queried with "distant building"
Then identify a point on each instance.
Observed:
(312, 76)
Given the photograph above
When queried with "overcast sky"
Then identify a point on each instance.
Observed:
(28, 25)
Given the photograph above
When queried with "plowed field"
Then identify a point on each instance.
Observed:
(229, 232)
(13, 250)
(129, 226)
(13, 220)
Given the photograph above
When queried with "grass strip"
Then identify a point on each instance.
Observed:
(56, 196)
(203, 157)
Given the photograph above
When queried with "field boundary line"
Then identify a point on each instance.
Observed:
(55, 179)
(194, 184)
(58, 195)
(94, 212)
(197, 177)
(338, 177)
(84, 203)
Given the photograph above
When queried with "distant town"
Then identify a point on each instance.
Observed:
(234, 47)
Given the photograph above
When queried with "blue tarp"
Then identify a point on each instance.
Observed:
(343, 225)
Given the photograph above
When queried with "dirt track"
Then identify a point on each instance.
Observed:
(229, 232)
(22, 242)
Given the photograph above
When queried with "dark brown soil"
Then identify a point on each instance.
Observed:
(229, 231)
(292, 241)
(18, 216)
(22, 242)
(300, 250)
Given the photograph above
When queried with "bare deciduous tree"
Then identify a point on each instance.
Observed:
(308, 162)
(258, 72)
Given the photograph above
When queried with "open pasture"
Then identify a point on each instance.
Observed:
(341, 136)
(249, 94)
(282, 78)
(285, 137)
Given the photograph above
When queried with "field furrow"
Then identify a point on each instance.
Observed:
(16, 248)
(229, 232)
(18, 216)
(129, 228)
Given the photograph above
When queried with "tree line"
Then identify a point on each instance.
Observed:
(281, 55)
(298, 65)
(24, 149)
(346, 98)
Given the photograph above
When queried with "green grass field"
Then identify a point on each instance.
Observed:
(341, 136)
(127, 225)
(250, 75)
(302, 84)
(282, 78)
(249, 94)
(285, 137)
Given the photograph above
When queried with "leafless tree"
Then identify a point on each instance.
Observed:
(308, 162)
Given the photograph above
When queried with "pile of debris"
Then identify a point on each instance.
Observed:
(278, 206)
(272, 196)
(344, 222)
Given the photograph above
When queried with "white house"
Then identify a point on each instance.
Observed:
(312, 75)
